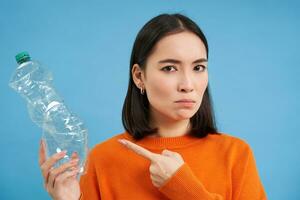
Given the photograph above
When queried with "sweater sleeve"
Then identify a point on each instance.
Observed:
(245, 178)
(185, 185)
(88, 182)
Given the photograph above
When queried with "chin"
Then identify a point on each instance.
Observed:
(184, 116)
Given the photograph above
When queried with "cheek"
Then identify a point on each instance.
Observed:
(202, 84)
(201, 87)
(159, 91)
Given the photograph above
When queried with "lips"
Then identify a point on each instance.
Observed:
(185, 101)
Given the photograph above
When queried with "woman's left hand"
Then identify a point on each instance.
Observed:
(163, 165)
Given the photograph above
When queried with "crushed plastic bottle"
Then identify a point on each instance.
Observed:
(62, 130)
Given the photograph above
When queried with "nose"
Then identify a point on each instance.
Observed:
(185, 85)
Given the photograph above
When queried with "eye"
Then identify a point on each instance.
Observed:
(167, 68)
(200, 68)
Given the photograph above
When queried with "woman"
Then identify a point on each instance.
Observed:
(171, 148)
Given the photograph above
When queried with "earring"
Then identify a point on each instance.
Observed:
(142, 90)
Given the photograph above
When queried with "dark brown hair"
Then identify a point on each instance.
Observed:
(135, 112)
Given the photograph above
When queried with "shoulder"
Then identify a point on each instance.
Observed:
(229, 142)
(228, 139)
(109, 146)
(236, 150)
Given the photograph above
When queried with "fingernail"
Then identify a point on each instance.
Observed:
(63, 152)
(76, 169)
(75, 160)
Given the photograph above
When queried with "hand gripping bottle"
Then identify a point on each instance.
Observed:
(62, 130)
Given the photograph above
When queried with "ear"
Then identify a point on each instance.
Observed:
(137, 75)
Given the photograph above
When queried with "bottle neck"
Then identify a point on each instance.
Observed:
(25, 59)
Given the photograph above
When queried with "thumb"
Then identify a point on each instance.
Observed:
(167, 152)
(172, 154)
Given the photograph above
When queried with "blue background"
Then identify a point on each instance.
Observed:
(254, 77)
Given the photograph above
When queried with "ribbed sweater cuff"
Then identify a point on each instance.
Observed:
(185, 185)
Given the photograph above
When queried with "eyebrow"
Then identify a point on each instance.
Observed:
(170, 60)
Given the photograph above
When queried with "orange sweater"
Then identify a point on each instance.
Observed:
(216, 167)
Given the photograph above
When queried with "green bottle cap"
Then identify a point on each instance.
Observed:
(22, 57)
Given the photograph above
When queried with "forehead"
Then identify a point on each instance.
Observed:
(183, 46)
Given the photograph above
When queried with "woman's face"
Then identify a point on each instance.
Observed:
(176, 70)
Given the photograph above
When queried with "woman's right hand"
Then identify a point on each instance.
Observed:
(60, 182)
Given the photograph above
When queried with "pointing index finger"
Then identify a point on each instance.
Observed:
(138, 149)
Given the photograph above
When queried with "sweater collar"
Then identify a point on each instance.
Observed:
(165, 142)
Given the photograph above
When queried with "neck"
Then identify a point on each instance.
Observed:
(170, 128)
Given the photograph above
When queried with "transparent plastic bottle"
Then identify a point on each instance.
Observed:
(62, 130)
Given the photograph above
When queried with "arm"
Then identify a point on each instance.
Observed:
(246, 183)
(245, 178)
(185, 185)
